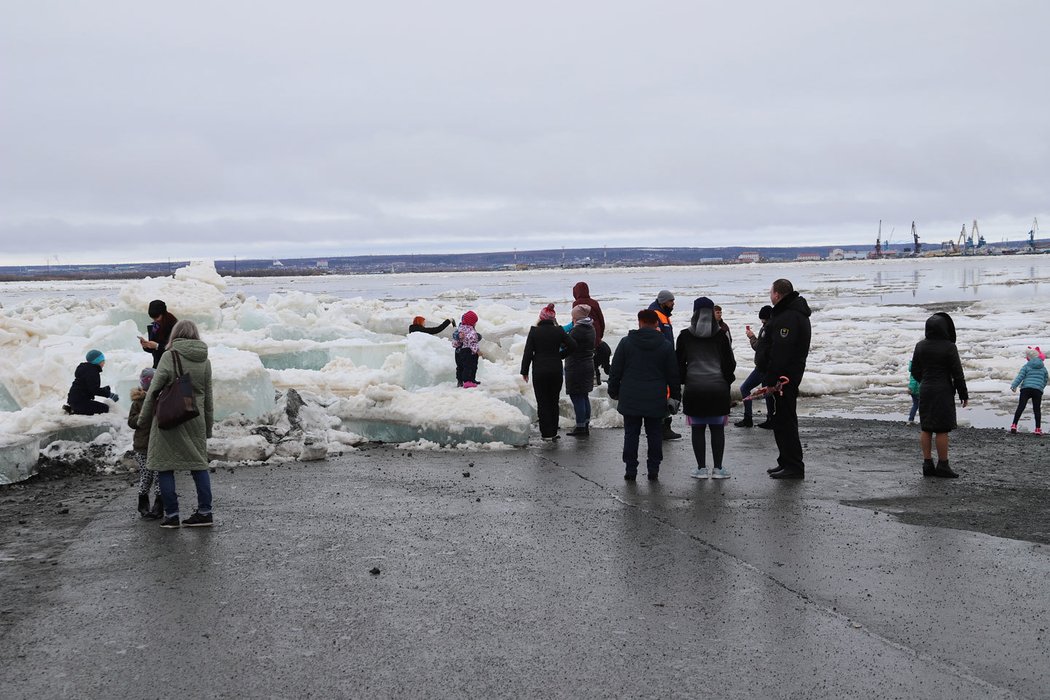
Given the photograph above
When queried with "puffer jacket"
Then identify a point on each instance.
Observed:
(184, 447)
(936, 364)
(579, 364)
(706, 367)
(140, 443)
(1032, 376)
(643, 370)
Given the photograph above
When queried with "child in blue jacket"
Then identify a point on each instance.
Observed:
(1032, 379)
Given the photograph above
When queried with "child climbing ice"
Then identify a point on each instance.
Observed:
(465, 340)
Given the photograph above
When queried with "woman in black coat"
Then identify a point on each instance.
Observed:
(936, 365)
(706, 366)
(545, 347)
(579, 368)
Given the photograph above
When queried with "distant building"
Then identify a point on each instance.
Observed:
(711, 261)
(808, 257)
(750, 256)
(322, 264)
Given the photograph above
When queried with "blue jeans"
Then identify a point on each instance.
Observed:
(914, 407)
(581, 404)
(654, 435)
(201, 479)
(753, 380)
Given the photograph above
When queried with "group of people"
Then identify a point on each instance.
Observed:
(177, 350)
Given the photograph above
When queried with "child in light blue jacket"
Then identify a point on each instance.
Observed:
(1032, 380)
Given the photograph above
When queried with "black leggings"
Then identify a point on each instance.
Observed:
(718, 444)
(1037, 398)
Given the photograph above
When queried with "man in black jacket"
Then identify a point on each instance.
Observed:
(644, 366)
(787, 348)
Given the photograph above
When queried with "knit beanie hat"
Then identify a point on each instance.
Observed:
(157, 308)
(547, 314)
(470, 318)
(95, 357)
(580, 311)
(664, 296)
(1033, 352)
(765, 313)
(145, 377)
(702, 303)
(418, 321)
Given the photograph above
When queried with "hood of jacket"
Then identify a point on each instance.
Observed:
(580, 290)
(794, 302)
(1035, 363)
(703, 324)
(137, 393)
(940, 327)
(585, 321)
(648, 339)
(192, 350)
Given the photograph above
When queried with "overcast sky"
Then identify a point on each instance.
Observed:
(140, 131)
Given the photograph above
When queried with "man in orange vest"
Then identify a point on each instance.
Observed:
(663, 306)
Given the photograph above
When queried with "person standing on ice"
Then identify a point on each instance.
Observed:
(785, 356)
(466, 344)
(581, 294)
(936, 364)
(545, 347)
(706, 366)
(185, 446)
(758, 373)
(644, 367)
(579, 366)
(417, 326)
(87, 384)
(159, 332)
(1032, 379)
(663, 306)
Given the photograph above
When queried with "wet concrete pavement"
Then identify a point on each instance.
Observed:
(542, 573)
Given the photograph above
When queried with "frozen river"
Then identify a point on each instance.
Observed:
(343, 336)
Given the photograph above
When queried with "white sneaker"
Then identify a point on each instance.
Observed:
(720, 473)
(700, 474)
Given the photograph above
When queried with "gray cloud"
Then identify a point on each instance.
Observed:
(333, 128)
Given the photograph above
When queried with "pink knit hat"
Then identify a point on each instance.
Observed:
(548, 313)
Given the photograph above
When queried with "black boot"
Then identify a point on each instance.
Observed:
(943, 470)
(745, 423)
(157, 512)
(144, 505)
(927, 467)
(668, 433)
(580, 431)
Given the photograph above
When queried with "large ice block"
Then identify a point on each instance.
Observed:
(7, 401)
(445, 415)
(429, 361)
(18, 458)
(240, 383)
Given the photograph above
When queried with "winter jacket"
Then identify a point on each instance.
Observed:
(87, 384)
(913, 383)
(785, 345)
(184, 447)
(545, 347)
(935, 363)
(1032, 376)
(160, 332)
(579, 364)
(644, 368)
(466, 338)
(705, 366)
(665, 321)
(432, 330)
(140, 443)
(581, 294)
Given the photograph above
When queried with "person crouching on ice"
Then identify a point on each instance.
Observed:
(87, 384)
(466, 341)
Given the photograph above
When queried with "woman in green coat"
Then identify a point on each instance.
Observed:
(184, 447)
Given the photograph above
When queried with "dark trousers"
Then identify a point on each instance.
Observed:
(785, 430)
(201, 480)
(581, 406)
(88, 408)
(1037, 398)
(753, 380)
(547, 388)
(654, 436)
(466, 366)
(915, 407)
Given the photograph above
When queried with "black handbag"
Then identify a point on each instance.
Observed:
(175, 402)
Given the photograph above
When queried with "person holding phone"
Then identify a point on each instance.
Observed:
(159, 331)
